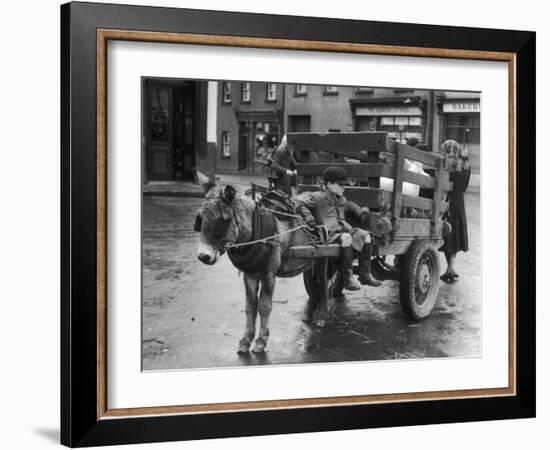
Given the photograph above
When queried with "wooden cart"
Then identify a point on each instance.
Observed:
(407, 226)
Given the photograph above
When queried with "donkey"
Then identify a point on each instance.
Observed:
(225, 218)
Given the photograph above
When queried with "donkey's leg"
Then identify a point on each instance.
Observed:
(251, 285)
(264, 308)
(312, 292)
(322, 291)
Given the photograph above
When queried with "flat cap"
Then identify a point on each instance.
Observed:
(335, 175)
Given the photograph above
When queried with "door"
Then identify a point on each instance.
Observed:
(243, 146)
(184, 130)
(158, 131)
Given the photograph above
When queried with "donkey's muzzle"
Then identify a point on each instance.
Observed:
(206, 258)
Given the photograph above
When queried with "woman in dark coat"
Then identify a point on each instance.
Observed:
(457, 240)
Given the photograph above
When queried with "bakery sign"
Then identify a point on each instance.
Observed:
(461, 107)
(392, 110)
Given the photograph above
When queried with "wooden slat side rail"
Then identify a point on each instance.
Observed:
(366, 171)
(354, 170)
(355, 142)
(308, 188)
(414, 154)
(310, 251)
(363, 196)
(415, 228)
(373, 157)
(397, 194)
(411, 201)
(359, 156)
(369, 197)
(418, 178)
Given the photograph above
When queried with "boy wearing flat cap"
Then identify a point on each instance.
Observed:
(330, 208)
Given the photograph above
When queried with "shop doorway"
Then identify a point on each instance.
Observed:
(169, 129)
(243, 147)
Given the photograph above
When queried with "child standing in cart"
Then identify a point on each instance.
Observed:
(330, 208)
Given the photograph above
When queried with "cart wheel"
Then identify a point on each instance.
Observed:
(419, 280)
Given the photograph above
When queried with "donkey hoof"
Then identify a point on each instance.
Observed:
(259, 347)
(321, 323)
(243, 348)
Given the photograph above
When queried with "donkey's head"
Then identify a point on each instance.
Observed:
(216, 223)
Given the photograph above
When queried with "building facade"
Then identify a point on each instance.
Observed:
(250, 125)
(317, 108)
(252, 117)
(402, 113)
(458, 118)
(429, 116)
(178, 129)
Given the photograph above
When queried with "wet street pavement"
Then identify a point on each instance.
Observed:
(193, 314)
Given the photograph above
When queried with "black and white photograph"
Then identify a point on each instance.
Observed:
(323, 224)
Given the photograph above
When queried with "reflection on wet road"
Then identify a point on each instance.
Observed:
(193, 314)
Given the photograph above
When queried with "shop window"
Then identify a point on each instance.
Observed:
(226, 150)
(403, 121)
(226, 92)
(464, 129)
(415, 122)
(266, 140)
(160, 115)
(402, 128)
(245, 92)
(271, 92)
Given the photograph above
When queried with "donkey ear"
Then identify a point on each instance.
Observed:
(228, 194)
(198, 223)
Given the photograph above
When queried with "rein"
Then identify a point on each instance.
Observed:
(232, 245)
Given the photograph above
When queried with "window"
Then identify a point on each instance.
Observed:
(271, 92)
(401, 121)
(330, 90)
(300, 89)
(226, 95)
(402, 128)
(364, 90)
(462, 128)
(404, 91)
(245, 92)
(226, 152)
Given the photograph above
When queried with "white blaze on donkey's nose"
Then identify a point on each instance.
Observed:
(206, 253)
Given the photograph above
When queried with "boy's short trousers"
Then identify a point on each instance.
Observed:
(358, 238)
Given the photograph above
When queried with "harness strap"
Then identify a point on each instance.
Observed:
(232, 245)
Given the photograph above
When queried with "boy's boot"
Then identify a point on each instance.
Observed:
(365, 275)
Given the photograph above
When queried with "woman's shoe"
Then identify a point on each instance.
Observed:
(455, 276)
(447, 278)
